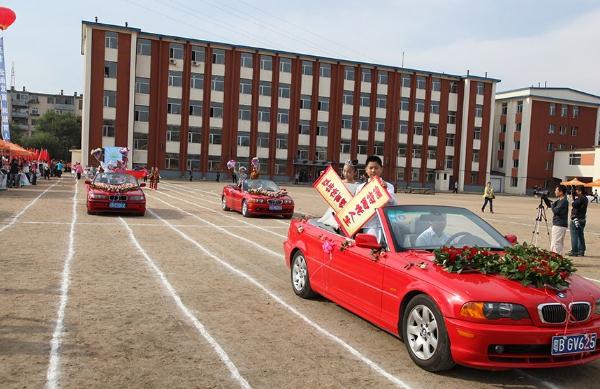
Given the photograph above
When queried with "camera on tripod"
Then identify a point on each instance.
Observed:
(544, 198)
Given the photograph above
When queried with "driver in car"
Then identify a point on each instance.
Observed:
(434, 236)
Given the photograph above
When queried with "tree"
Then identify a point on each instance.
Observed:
(65, 126)
(41, 139)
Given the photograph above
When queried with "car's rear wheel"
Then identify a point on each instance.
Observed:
(224, 206)
(245, 211)
(299, 275)
(425, 336)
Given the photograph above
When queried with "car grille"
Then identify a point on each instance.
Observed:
(117, 198)
(555, 313)
(275, 202)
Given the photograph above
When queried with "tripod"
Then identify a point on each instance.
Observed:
(541, 215)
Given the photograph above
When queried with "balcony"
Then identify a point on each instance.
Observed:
(19, 102)
(34, 100)
(20, 114)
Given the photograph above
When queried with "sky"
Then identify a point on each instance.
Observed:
(522, 43)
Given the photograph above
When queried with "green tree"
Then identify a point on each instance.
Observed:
(41, 139)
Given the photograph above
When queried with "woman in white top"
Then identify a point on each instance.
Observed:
(349, 180)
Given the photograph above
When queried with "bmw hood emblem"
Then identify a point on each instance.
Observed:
(561, 295)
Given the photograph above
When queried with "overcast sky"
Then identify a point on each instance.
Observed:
(521, 42)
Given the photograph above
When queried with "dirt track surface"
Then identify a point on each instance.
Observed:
(189, 295)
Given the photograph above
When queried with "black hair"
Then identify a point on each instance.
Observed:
(580, 188)
(373, 158)
(562, 189)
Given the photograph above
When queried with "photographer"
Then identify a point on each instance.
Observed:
(560, 220)
(578, 214)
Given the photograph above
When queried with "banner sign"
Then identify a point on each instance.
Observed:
(5, 129)
(332, 189)
(362, 207)
(112, 154)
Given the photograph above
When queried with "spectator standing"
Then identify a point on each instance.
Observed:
(218, 176)
(595, 196)
(191, 171)
(296, 178)
(78, 170)
(488, 197)
(577, 226)
(455, 187)
(13, 173)
(560, 220)
(59, 169)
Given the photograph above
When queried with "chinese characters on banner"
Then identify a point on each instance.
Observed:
(351, 212)
(5, 129)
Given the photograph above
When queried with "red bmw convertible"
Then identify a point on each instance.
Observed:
(257, 197)
(471, 319)
(115, 192)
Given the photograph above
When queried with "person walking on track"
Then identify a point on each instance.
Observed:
(488, 197)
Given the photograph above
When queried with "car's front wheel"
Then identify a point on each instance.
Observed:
(424, 333)
(299, 275)
(224, 206)
(245, 211)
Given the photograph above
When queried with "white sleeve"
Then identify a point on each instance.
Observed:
(391, 191)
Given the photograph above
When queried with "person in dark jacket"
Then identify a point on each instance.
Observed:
(578, 214)
(560, 220)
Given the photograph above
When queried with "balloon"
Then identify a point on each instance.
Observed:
(97, 153)
(231, 164)
(7, 17)
(124, 151)
(254, 162)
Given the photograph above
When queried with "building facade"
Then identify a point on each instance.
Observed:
(25, 107)
(181, 103)
(530, 124)
(583, 164)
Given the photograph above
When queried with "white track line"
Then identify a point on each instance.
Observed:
(18, 215)
(53, 373)
(592, 279)
(235, 374)
(395, 380)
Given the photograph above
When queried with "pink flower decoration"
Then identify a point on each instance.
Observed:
(327, 247)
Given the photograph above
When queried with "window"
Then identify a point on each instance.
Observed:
(262, 140)
(381, 101)
(266, 62)
(404, 127)
(517, 145)
(346, 121)
(501, 145)
(449, 161)
(562, 146)
(406, 81)
(110, 98)
(416, 152)
(214, 136)
(453, 87)
(144, 47)
(432, 152)
(520, 106)
(110, 69)
(321, 129)
(550, 165)
(193, 161)
(214, 161)
(216, 109)
(175, 78)
(552, 109)
(515, 163)
(345, 148)
(504, 108)
(366, 75)
(323, 104)
(436, 84)
(450, 139)
(420, 106)
(285, 65)
(173, 133)
(264, 88)
(140, 141)
(302, 152)
(365, 99)
(264, 114)
(405, 104)
(574, 159)
(480, 88)
(283, 116)
(246, 60)
(217, 83)
(574, 131)
(321, 153)
(108, 128)
(141, 113)
(416, 174)
(362, 147)
(305, 101)
(174, 106)
(564, 109)
(503, 128)
(171, 161)
(477, 133)
(478, 111)
(111, 40)
(451, 117)
(281, 141)
(418, 129)
(551, 129)
(198, 54)
(378, 148)
(550, 147)
(501, 164)
(194, 135)
(402, 150)
(348, 73)
(244, 112)
(307, 68)
(433, 130)
(197, 81)
(475, 155)
(142, 85)
(363, 123)
(195, 108)
(563, 130)
(382, 78)
(284, 91)
(518, 127)
(380, 125)
(175, 51)
(575, 111)
(245, 86)
(514, 181)
(280, 166)
(325, 70)
(243, 139)
(348, 97)
(218, 56)
(421, 82)
(304, 127)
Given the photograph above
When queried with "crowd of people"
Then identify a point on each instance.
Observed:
(18, 172)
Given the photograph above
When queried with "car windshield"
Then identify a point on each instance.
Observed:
(431, 227)
(267, 185)
(114, 179)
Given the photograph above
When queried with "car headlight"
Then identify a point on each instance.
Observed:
(494, 311)
(97, 196)
(597, 307)
(137, 198)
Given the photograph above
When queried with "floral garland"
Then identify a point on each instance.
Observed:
(126, 187)
(525, 263)
(264, 192)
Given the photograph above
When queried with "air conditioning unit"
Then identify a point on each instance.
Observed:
(173, 61)
(195, 63)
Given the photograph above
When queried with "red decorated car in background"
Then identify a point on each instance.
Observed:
(115, 192)
(445, 318)
(257, 197)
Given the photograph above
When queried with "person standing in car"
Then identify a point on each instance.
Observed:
(578, 216)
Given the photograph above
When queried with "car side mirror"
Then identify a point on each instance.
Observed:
(143, 184)
(367, 241)
(512, 239)
(88, 182)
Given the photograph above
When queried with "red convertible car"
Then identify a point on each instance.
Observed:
(115, 192)
(257, 197)
(471, 319)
